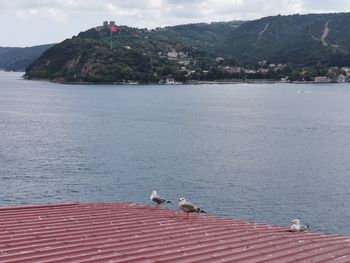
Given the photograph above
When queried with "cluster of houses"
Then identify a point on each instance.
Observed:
(260, 71)
(335, 75)
(181, 57)
(263, 69)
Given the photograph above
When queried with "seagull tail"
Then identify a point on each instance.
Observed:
(169, 202)
(202, 211)
(304, 227)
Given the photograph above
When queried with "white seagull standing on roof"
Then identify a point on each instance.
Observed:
(158, 199)
(188, 207)
(297, 226)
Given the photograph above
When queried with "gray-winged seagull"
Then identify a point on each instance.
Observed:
(297, 226)
(188, 207)
(158, 199)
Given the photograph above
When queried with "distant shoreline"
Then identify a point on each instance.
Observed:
(200, 82)
(194, 82)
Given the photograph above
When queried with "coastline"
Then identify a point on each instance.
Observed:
(199, 82)
(191, 82)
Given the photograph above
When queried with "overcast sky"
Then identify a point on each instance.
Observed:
(35, 22)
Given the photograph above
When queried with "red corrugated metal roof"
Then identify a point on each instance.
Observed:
(82, 233)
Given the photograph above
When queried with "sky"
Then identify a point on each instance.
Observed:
(36, 22)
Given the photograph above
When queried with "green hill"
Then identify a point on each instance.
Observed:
(295, 39)
(200, 51)
(18, 59)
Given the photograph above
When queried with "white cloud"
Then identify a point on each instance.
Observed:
(326, 5)
(48, 13)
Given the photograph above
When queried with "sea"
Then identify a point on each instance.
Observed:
(266, 153)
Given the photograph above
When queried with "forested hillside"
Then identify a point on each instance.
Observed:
(295, 46)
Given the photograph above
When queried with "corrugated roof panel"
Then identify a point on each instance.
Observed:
(83, 233)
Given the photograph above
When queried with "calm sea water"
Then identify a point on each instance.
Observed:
(268, 153)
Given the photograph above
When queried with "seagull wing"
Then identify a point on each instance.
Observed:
(304, 227)
(159, 200)
(189, 207)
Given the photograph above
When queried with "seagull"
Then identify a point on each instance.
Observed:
(297, 226)
(157, 199)
(188, 207)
